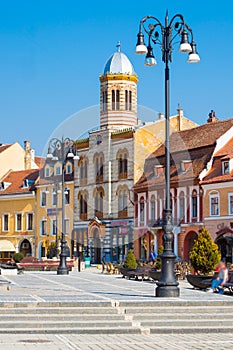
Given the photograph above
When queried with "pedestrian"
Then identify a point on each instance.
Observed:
(221, 279)
(152, 256)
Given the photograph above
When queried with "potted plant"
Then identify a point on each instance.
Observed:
(204, 257)
(130, 264)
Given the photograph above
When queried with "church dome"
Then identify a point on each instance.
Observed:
(119, 63)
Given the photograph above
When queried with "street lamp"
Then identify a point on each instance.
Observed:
(167, 286)
(61, 150)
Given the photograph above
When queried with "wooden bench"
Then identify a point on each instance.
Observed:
(141, 272)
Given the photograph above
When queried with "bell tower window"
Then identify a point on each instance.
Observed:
(115, 100)
(104, 101)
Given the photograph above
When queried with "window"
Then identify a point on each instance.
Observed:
(230, 203)
(43, 199)
(5, 222)
(43, 227)
(83, 171)
(115, 100)
(68, 169)
(47, 172)
(104, 101)
(99, 168)
(99, 195)
(58, 170)
(29, 221)
(194, 204)
(214, 205)
(141, 209)
(225, 167)
(152, 208)
(54, 197)
(18, 222)
(123, 166)
(128, 100)
(67, 196)
(182, 205)
(83, 207)
(54, 227)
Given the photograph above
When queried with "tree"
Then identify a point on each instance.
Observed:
(204, 255)
(130, 261)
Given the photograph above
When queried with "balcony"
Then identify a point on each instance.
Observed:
(83, 216)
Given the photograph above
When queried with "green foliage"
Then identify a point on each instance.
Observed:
(204, 255)
(158, 263)
(130, 261)
(18, 257)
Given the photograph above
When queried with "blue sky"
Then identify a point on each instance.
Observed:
(52, 53)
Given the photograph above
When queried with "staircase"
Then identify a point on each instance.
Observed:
(116, 317)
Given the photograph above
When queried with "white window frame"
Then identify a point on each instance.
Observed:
(224, 172)
(212, 196)
(3, 222)
(43, 192)
(16, 222)
(67, 225)
(27, 221)
(47, 172)
(230, 209)
(57, 167)
(41, 226)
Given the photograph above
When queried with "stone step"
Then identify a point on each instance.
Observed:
(62, 317)
(177, 310)
(58, 310)
(171, 316)
(73, 330)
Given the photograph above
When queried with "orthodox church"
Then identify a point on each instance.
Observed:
(111, 160)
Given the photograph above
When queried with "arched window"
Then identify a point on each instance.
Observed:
(104, 101)
(141, 210)
(83, 171)
(194, 204)
(123, 203)
(98, 200)
(115, 100)
(99, 167)
(123, 166)
(152, 207)
(130, 100)
(83, 206)
(126, 100)
(182, 205)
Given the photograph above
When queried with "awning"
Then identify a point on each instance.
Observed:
(6, 246)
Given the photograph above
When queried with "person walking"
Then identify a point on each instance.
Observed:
(220, 280)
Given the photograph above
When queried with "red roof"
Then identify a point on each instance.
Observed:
(4, 147)
(15, 179)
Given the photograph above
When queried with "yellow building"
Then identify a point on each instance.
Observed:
(49, 208)
(17, 207)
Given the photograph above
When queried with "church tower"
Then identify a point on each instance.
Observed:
(118, 92)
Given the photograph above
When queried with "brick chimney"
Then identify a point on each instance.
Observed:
(27, 155)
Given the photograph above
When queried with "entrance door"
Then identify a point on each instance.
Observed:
(25, 248)
(96, 246)
(225, 244)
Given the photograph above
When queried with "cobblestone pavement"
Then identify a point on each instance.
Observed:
(91, 285)
(218, 341)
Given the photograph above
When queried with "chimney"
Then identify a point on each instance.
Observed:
(27, 155)
(180, 114)
(212, 117)
(161, 116)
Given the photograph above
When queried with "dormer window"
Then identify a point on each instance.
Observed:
(68, 169)
(47, 172)
(58, 170)
(25, 183)
(4, 185)
(225, 167)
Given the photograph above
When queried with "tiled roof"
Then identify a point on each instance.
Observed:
(200, 136)
(4, 147)
(16, 181)
(215, 175)
(40, 161)
(195, 146)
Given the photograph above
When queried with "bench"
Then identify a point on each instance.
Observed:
(141, 272)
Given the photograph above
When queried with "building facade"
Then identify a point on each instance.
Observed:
(111, 161)
(191, 155)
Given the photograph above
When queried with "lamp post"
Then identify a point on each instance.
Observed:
(56, 191)
(167, 286)
(61, 150)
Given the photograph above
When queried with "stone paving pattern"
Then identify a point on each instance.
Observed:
(91, 285)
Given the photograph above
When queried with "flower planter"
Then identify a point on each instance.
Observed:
(199, 281)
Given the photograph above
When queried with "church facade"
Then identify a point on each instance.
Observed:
(111, 160)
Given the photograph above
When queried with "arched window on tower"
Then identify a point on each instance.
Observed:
(182, 205)
(83, 206)
(128, 100)
(142, 210)
(98, 200)
(122, 165)
(104, 101)
(152, 208)
(115, 100)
